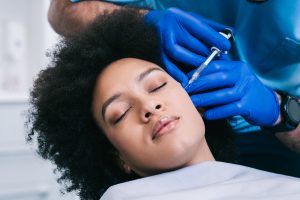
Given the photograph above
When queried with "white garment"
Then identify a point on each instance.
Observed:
(208, 180)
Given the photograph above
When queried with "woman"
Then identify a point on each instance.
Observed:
(89, 97)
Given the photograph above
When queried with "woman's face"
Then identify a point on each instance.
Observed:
(148, 117)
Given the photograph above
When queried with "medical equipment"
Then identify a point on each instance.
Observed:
(227, 33)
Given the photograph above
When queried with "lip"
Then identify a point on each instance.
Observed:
(164, 125)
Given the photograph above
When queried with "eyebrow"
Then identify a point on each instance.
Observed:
(111, 99)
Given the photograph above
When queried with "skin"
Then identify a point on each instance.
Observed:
(144, 102)
(291, 139)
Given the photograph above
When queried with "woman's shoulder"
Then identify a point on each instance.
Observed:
(208, 179)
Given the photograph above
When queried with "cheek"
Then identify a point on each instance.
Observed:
(183, 100)
(187, 109)
(127, 138)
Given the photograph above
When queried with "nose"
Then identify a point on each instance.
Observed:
(151, 108)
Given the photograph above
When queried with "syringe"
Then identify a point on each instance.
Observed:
(215, 51)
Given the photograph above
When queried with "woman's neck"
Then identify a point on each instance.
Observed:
(203, 154)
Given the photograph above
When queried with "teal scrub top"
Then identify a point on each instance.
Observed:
(267, 35)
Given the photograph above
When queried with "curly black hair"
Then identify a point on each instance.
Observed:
(60, 117)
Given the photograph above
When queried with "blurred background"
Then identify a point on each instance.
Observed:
(25, 35)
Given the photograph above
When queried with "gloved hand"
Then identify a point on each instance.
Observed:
(184, 39)
(229, 88)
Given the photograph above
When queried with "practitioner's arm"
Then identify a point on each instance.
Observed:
(291, 139)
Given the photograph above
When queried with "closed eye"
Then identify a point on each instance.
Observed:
(121, 117)
(159, 87)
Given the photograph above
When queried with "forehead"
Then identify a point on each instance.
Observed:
(122, 71)
(126, 67)
(119, 74)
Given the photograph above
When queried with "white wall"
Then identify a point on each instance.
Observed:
(23, 175)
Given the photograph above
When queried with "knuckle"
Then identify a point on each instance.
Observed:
(217, 66)
(239, 105)
(173, 51)
(172, 11)
(231, 93)
(224, 77)
(169, 47)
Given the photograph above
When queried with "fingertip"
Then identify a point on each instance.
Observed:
(209, 115)
(177, 74)
(225, 44)
(206, 115)
(184, 83)
(151, 17)
(194, 99)
(187, 87)
(190, 74)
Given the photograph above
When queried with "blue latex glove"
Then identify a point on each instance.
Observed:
(186, 38)
(229, 88)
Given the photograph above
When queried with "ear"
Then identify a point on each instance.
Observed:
(121, 163)
(126, 168)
